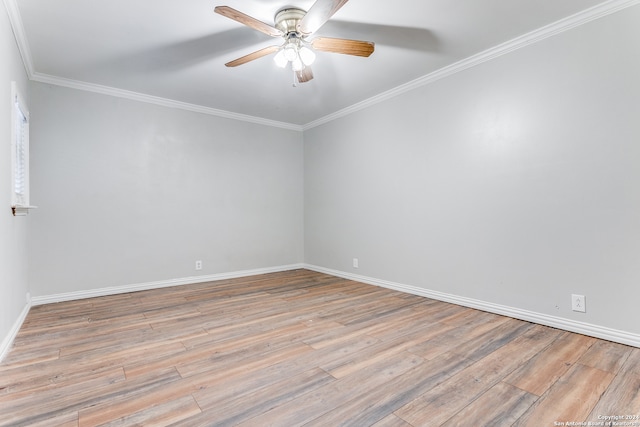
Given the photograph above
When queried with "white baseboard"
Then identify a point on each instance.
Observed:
(596, 331)
(6, 344)
(113, 290)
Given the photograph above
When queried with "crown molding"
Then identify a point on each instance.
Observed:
(25, 52)
(21, 38)
(156, 100)
(535, 36)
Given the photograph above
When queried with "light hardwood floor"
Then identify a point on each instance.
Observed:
(304, 348)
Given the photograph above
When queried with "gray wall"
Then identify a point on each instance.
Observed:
(514, 182)
(132, 193)
(13, 230)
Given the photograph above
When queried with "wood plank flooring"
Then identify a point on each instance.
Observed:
(301, 348)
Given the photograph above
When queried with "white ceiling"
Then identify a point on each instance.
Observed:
(177, 49)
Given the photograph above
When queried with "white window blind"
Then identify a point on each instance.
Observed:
(20, 169)
(19, 153)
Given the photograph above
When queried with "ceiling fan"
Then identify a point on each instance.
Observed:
(295, 26)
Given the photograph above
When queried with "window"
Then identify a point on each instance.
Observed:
(19, 153)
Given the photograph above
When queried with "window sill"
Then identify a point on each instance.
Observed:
(19, 210)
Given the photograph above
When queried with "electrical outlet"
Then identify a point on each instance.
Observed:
(355, 263)
(578, 303)
(198, 265)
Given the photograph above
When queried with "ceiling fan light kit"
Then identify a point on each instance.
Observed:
(298, 56)
(295, 25)
(294, 51)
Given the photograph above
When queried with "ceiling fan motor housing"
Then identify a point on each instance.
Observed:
(287, 20)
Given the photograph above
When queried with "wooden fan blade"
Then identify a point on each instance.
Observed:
(347, 47)
(319, 13)
(252, 56)
(304, 75)
(248, 21)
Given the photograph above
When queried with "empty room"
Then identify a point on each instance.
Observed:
(320, 213)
